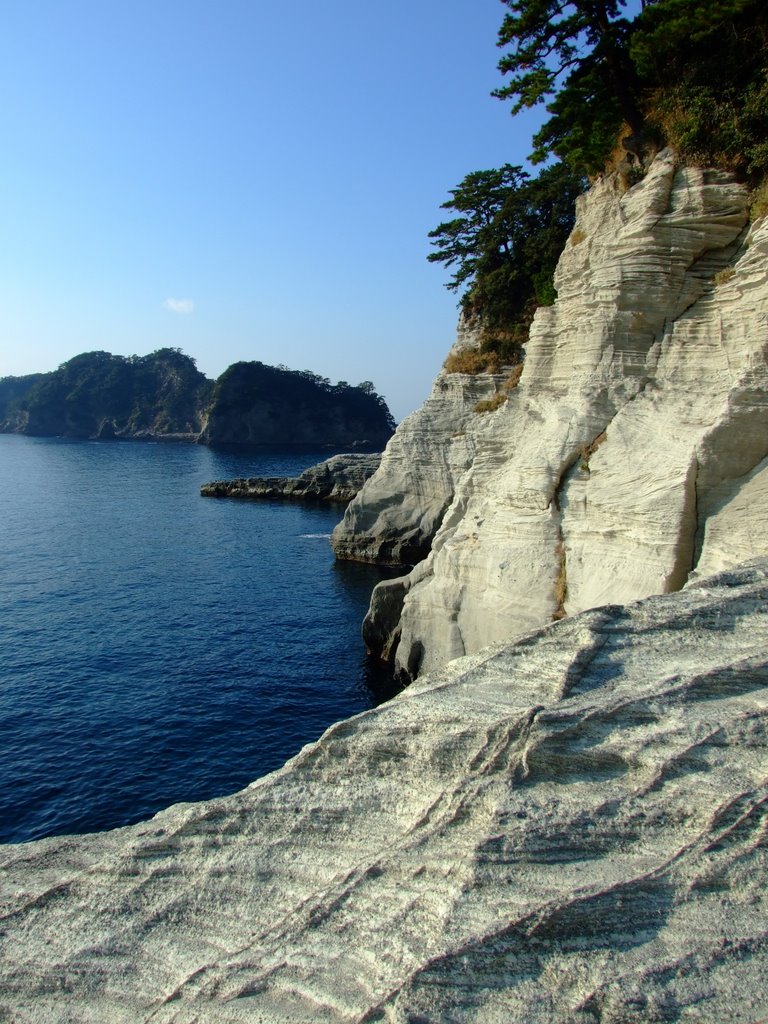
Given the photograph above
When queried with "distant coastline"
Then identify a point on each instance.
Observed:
(164, 397)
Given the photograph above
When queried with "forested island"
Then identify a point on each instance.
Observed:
(163, 396)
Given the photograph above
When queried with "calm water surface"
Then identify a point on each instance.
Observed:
(156, 646)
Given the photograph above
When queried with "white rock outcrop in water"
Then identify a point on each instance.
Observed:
(570, 829)
(633, 450)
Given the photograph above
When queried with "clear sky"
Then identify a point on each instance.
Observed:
(242, 179)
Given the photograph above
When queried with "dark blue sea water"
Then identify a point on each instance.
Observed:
(156, 646)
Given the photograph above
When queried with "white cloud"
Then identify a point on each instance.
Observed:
(179, 305)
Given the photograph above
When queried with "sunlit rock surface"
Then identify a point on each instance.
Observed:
(569, 829)
(633, 451)
(404, 502)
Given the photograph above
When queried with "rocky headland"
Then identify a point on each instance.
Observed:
(164, 397)
(569, 829)
(631, 453)
(337, 479)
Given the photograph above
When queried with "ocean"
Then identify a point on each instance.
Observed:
(156, 646)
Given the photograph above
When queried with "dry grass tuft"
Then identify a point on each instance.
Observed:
(561, 585)
(724, 276)
(497, 352)
(514, 377)
(489, 404)
(467, 361)
(758, 201)
(588, 450)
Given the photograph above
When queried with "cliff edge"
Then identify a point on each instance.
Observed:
(631, 454)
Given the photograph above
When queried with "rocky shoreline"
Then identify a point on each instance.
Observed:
(337, 479)
(569, 829)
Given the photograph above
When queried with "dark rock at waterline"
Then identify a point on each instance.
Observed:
(338, 479)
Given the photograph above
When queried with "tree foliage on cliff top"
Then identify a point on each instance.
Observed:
(704, 74)
(689, 73)
(506, 242)
(692, 74)
(578, 52)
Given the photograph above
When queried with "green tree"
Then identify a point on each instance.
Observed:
(691, 73)
(505, 245)
(465, 240)
(574, 56)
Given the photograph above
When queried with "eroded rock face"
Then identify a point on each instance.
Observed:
(402, 506)
(632, 451)
(565, 830)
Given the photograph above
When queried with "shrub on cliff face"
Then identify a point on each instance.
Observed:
(758, 206)
(496, 353)
(491, 404)
(469, 361)
(707, 69)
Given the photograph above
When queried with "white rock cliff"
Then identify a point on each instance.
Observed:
(632, 454)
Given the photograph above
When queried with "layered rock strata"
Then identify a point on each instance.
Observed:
(337, 479)
(631, 453)
(570, 829)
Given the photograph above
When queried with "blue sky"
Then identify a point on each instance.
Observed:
(242, 179)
